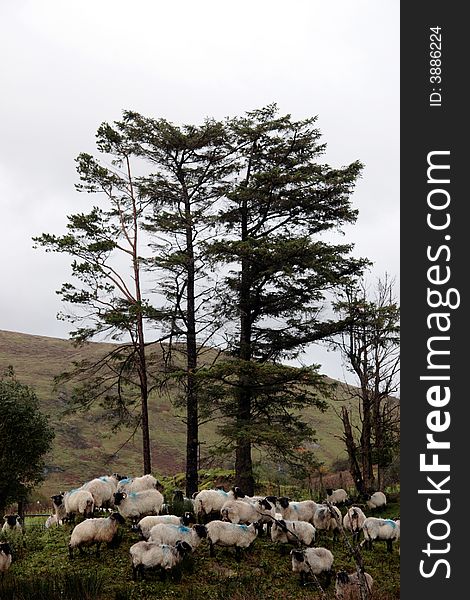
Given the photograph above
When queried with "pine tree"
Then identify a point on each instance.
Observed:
(282, 269)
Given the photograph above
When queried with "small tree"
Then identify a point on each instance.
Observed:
(370, 349)
(190, 168)
(107, 249)
(25, 436)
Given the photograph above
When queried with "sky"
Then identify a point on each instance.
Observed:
(69, 66)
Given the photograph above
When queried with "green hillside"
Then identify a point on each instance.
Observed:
(84, 447)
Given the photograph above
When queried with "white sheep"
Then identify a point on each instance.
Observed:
(377, 500)
(297, 511)
(95, 531)
(12, 523)
(79, 501)
(293, 532)
(59, 507)
(312, 561)
(52, 521)
(323, 519)
(210, 502)
(338, 496)
(380, 529)
(353, 521)
(102, 491)
(348, 585)
(242, 511)
(148, 555)
(223, 533)
(5, 557)
(138, 484)
(145, 525)
(167, 533)
(138, 504)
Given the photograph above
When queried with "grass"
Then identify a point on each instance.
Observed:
(41, 569)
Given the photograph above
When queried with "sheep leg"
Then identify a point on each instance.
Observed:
(328, 579)
(238, 554)
(211, 549)
(70, 552)
(389, 545)
(303, 578)
(98, 548)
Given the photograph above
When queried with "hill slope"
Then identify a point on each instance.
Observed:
(84, 446)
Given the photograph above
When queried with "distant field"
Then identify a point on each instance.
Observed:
(83, 447)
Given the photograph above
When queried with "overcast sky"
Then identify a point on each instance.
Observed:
(69, 65)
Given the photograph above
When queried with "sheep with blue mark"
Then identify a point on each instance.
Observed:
(380, 529)
(102, 490)
(78, 501)
(135, 505)
(167, 533)
(208, 503)
(230, 535)
(148, 555)
(146, 523)
(139, 484)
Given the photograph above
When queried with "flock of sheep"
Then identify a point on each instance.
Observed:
(228, 519)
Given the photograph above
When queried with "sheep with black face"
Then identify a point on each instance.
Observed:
(95, 531)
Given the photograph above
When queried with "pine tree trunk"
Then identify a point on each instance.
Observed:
(351, 447)
(192, 426)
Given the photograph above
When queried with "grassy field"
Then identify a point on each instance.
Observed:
(84, 447)
(43, 570)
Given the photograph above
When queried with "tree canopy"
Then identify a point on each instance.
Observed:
(26, 437)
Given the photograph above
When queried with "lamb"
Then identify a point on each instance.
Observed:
(348, 585)
(353, 521)
(145, 525)
(78, 501)
(51, 521)
(95, 531)
(137, 504)
(297, 511)
(222, 533)
(138, 484)
(377, 500)
(164, 533)
(323, 520)
(240, 511)
(338, 496)
(5, 557)
(208, 502)
(148, 555)
(12, 523)
(313, 561)
(293, 532)
(380, 529)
